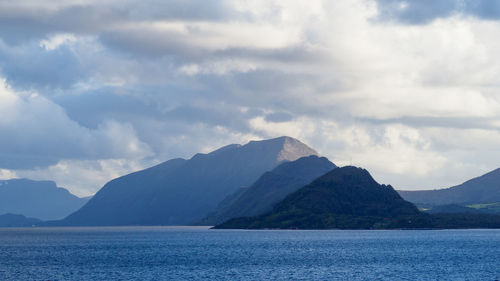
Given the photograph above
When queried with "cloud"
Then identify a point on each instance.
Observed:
(52, 66)
(56, 41)
(36, 132)
(7, 174)
(392, 151)
(407, 89)
(26, 20)
(84, 177)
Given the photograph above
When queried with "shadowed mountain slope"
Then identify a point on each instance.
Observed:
(182, 191)
(483, 189)
(37, 199)
(346, 197)
(270, 188)
(12, 220)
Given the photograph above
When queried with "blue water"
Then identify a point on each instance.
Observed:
(198, 253)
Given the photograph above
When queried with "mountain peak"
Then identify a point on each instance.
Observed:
(349, 174)
(284, 148)
(288, 148)
(293, 149)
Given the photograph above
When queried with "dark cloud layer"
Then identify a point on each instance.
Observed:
(32, 67)
(20, 22)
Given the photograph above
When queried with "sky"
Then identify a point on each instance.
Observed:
(92, 90)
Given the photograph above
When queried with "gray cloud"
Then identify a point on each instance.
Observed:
(152, 43)
(154, 123)
(486, 9)
(279, 117)
(20, 22)
(438, 122)
(37, 133)
(33, 67)
(181, 48)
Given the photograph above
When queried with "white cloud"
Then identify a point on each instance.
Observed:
(384, 150)
(84, 177)
(56, 41)
(7, 174)
(296, 128)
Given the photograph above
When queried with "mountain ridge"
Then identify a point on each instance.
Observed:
(346, 197)
(482, 189)
(17, 220)
(269, 189)
(181, 191)
(38, 199)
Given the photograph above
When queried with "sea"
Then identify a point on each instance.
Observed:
(199, 253)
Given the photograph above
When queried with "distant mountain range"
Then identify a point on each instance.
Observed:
(276, 183)
(181, 191)
(12, 220)
(481, 190)
(269, 189)
(38, 199)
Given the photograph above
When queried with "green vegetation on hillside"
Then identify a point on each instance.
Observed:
(494, 207)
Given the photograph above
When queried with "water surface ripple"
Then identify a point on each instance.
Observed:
(183, 253)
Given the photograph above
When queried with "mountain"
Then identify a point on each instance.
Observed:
(346, 197)
(38, 199)
(12, 220)
(182, 191)
(480, 190)
(269, 189)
